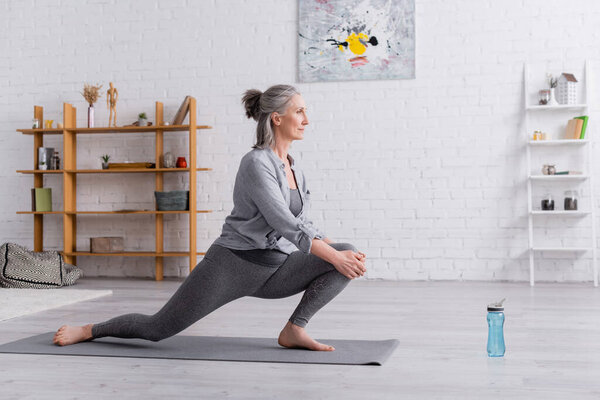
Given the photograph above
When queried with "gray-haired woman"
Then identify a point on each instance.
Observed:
(268, 247)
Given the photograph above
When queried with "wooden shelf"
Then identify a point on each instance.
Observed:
(70, 174)
(40, 212)
(133, 254)
(135, 212)
(131, 170)
(39, 171)
(54, 131)
(121, 129)
(106, 171)
(113, 212)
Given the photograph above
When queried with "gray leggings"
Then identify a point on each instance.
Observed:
(222, 277)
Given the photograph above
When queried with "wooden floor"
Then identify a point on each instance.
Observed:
(552, 333)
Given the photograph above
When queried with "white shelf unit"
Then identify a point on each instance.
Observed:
(568, 111)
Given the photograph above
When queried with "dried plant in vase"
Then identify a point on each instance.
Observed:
(91, 94)
(552, 82)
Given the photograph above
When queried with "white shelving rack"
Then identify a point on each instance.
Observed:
(586, 178)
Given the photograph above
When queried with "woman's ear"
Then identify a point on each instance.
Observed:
(276, 118)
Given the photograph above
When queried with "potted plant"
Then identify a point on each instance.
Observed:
(142, 119)
(105, 159)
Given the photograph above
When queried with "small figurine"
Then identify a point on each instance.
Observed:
(112, 95)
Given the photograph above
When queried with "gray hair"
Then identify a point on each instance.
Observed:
(260, 106)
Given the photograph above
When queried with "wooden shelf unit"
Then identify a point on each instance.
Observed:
(70, 171)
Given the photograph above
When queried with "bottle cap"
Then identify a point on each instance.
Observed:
(496, 306)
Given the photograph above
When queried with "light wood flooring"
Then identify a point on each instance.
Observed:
(552, 334)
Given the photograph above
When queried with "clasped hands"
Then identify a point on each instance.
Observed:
(351, 264)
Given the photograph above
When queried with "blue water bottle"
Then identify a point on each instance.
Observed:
(495, 319)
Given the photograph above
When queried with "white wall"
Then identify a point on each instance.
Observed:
(426, 176)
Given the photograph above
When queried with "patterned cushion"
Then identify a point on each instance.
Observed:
(21, 268)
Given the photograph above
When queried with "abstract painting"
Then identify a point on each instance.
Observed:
(344, 40)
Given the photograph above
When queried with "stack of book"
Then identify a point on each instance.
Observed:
(576, 127)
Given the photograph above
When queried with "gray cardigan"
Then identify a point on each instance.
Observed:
(261, 216)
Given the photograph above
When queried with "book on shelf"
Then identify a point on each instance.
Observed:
(182, 112)
(584, 118)
(43, 199)
(573, 130)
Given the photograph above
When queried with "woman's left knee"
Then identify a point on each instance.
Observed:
(344, 246)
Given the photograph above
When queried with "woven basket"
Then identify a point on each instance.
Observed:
(175, 200)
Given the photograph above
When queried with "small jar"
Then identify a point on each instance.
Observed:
(35, 123)
(544, 97)
(571, 200)
(547, 203)
(537, 135)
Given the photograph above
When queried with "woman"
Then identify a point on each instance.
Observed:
(268, 247)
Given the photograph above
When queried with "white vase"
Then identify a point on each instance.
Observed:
(91, 116)
(552, 101)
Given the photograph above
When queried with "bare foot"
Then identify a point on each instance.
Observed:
(72, 334)
(294, 336)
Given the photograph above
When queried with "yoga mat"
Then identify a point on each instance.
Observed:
(352, 352)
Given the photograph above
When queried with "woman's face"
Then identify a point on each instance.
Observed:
(290, 126)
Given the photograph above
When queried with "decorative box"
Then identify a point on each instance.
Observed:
(106, 244)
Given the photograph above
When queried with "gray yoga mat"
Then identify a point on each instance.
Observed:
(353, 352)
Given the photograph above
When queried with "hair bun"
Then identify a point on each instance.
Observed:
(251, 101)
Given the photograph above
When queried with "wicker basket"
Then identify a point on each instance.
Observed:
(176, 200)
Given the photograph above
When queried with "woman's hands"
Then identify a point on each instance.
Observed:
(350, 264)
(347, 262)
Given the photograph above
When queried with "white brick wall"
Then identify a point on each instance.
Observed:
(426, 176)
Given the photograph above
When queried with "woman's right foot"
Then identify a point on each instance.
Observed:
(294, 336)
(72, 334)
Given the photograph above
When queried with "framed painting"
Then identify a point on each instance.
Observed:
(345, 40)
